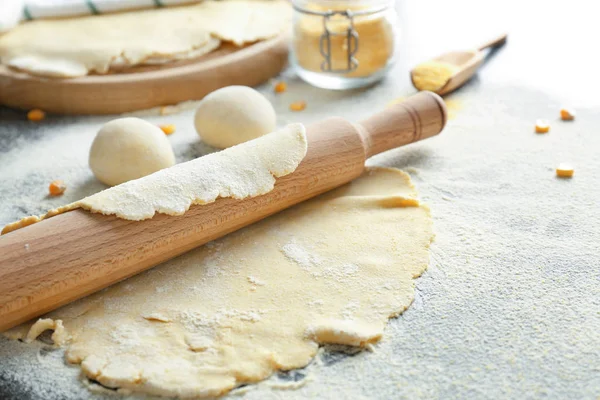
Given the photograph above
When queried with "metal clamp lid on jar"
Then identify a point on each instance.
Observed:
(351, 35)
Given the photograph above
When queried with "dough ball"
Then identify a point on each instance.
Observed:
(233, 115)
(129, 148)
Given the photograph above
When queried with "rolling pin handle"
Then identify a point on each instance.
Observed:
(418, 117)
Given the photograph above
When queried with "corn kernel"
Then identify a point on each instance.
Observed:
(542, 126)
(567, 114)
(167, 129)
(57, 188)
(565, 170)
(280, 87)
(36, 115)
(298, 106)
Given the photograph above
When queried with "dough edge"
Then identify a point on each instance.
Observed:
(330, 331)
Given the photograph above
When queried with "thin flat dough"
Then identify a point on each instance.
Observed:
(330, 270)
(246, 170)
(74, 47)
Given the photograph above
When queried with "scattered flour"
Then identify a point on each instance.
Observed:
(256, 281)
(301, 256)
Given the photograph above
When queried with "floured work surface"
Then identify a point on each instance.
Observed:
(329, 271)
(508, 306)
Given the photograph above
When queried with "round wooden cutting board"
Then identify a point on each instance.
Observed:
(146, 87)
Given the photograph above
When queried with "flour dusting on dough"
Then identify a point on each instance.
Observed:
(245, 170)
(330, 270)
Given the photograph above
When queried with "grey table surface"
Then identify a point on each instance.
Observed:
(510, 305)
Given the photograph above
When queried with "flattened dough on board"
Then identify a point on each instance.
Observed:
(246, 170)
(74, 47)
(330, 270)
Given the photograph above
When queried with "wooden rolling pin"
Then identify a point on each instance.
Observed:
(53, 262)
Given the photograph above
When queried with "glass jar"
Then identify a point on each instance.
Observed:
(343, 44)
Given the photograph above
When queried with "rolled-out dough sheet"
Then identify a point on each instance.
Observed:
(77, 46)
(246, 170)
(330, 270)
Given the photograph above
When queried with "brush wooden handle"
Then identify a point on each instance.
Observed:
(46, 265)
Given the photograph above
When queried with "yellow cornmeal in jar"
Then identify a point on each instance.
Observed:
(432, 75)
(375, 42)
